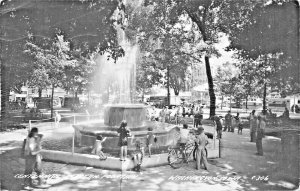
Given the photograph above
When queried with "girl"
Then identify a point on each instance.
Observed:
(97, 149)
(124, 133)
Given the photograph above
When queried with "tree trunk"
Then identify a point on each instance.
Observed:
(264, 99)
(176, 91)
(4, 97)
(222, 103)
(40, 92)
(52, 94)
(212, 95)
(246, 101)
(168, 85)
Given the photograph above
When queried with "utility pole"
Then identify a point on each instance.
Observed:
(168, 84)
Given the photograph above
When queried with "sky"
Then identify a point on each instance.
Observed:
(225, 56)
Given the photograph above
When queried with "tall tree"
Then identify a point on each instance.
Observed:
(88, 24)
(271, 32)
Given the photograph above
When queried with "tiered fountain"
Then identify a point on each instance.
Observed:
(119, 80)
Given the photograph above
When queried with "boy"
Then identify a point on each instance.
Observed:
(238, 123)
(150, 139)
(218, 127)
(138, 155)
(202, 141)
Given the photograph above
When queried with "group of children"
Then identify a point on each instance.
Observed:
(124, 134)
(137, 156)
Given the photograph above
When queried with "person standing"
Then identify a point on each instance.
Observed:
(218, 127)
(237, 122)
(201, 115)
(150, 140)
(163, 115)
(228, 121)
(202, 141)
(197, 119)
(33, 159)
(253, 125)
(57, 119)
(168, 114)
(124, 133)
(260, 135)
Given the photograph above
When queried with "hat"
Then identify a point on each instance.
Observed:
(216, 118)
(200, 128)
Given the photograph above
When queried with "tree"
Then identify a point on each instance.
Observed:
(87, 24)
(163, 42)
(248, 79)
(50, 60)
(271, 32)
(227, 81)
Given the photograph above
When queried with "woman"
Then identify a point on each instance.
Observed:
(33, 159)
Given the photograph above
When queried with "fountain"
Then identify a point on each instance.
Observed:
(118, 80)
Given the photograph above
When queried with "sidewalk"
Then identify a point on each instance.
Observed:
(238, 169)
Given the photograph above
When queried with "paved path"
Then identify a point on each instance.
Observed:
(238, 169)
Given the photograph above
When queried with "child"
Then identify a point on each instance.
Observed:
(219, 127)
(137, 155)
(124, 133)
(57, 119)
(97, 149)
(184, 138)
(150, 139)
(238, 123)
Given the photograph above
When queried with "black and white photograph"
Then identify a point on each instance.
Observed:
(150, 95)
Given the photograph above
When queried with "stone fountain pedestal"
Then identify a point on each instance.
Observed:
(134, 114)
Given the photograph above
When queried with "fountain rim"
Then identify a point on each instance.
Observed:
(125, 105)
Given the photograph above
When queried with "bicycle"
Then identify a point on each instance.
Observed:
(175, 157)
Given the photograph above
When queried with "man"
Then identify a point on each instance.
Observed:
(253, 125)
(228, 119)
(197, 119)
(260, 135)
(33, 159)
(163, 115)
(202, 141)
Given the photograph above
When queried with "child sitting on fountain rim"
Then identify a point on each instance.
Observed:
(124, 133)
(97, 149)
(138, 154)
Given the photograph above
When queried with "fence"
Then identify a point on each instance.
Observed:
(60, 135)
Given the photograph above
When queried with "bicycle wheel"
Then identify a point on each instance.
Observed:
(175, 159)
(189, 150)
